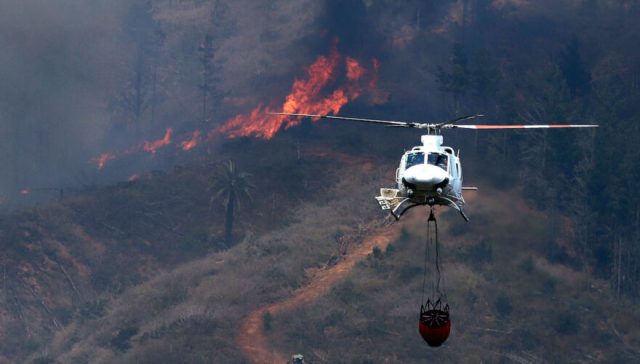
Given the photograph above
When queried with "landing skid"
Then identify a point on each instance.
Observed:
(398, 206)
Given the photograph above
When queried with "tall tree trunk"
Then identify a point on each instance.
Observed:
(228, 223)
(204, 102)
(137, 89)
(154, 84)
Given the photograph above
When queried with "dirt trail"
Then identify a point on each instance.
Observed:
(252, 339)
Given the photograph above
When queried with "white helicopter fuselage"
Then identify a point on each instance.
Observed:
(429, 174)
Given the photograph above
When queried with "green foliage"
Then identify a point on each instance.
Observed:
(390, 249)
(549, 286)
(556, 253)
(457, 79)
(574, 70)
(267, 321)
(231, 186)
(480, 253)
(527, 265)
(409, 272)
(334, 318)
(566, 323)
(121, 341)
(170, 294)
(347, 292)
(377, 252)
(503, 305)
(526, 339)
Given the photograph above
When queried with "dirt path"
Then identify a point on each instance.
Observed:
(252, 339)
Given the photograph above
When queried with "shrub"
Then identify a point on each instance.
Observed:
(377, 252)
(122, 339)
(390, 249)
(91, 310)
(267, 321)
(503, 306)
(527, 265)
(566, 323)
(481, 252)
(407, 273)
(404, 238)
(549, 286)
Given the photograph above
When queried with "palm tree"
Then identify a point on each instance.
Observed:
(232, 186)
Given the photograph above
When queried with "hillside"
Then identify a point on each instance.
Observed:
(65, 262)
(191, 309)
(510, 300)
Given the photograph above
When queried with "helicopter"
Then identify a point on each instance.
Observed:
(431, 173)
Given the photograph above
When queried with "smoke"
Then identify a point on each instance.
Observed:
(89, 84)
(56, 71)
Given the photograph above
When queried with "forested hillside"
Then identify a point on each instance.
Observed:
(118, 121)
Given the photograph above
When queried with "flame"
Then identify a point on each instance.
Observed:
(152, 147)
(306, 97)
(102, 159)
(191, 143)
(25, 191)
(374, 79)
(354, 70)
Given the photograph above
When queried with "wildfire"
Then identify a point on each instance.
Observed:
(152, 147)
(191, 143)
(354, 70)
(103, 159)
(309, 95)
(306, 97)
(374, 79)
(133, 177)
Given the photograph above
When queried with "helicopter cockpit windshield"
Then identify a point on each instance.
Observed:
(415, 158)
(440, 160)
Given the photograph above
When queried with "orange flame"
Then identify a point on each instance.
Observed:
(152, 147)
(374, 80)
(133, 177)
(305, 98)
(103, 159)
(354, 70)
(191, 143)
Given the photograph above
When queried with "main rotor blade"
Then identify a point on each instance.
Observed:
(453, 121)
(548, 126)
(373, 121)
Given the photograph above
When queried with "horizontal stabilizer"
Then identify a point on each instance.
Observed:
(469, 188)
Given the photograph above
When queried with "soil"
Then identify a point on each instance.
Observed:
(252, 339)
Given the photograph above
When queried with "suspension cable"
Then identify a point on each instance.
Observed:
(437, 292)
(426, 260)
(437, 251)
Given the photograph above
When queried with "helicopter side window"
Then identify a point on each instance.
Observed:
(415, 158)
(440, 160)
